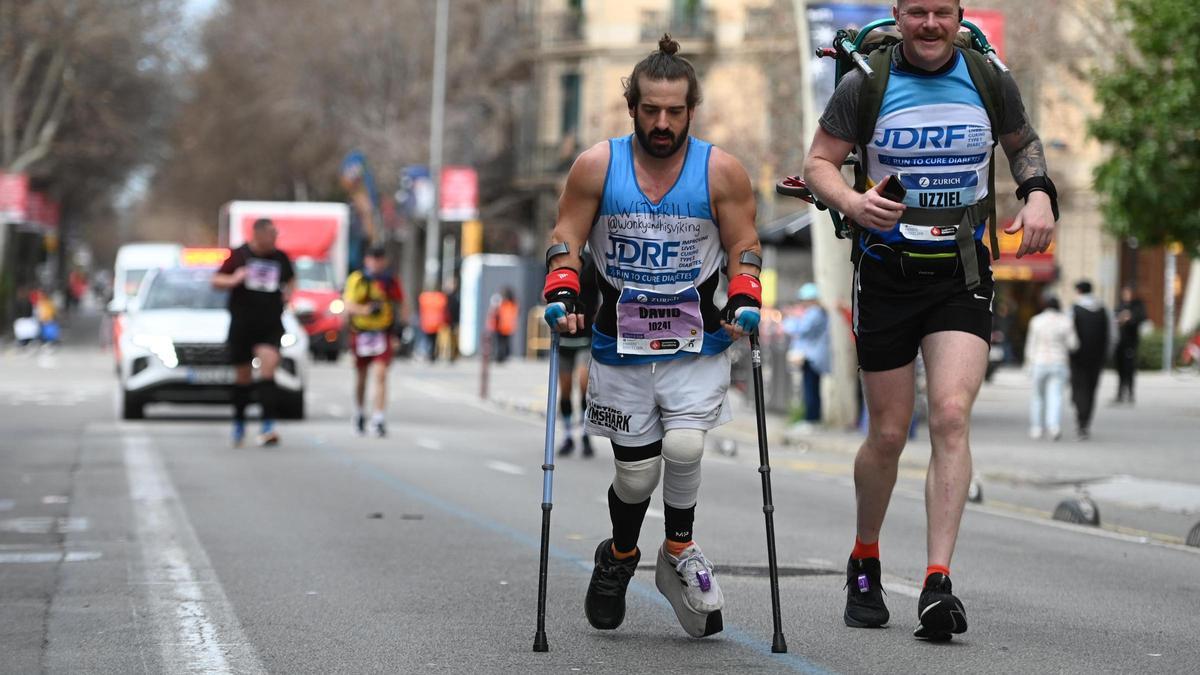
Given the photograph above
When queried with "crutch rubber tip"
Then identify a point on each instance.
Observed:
(778, 644)
(539, 642)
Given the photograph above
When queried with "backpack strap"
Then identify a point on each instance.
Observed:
(870, 101)
(987, 82)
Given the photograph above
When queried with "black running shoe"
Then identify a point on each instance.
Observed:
(380, 429)
(864, 594)
(605, 604)
(360, 424)
(587, 446)
(941, 614)
(567, 447)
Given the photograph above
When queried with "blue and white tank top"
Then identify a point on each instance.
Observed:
(933, 132)
(658, 263)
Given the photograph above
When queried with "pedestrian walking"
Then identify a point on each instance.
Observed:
(648, 205)
(809, 346)
(507, 315)
(453, 309)
(431, 310)
(1131, 312)
(1087, 361)
(1048, 344)
(260, 280)
(374, 298)
(922, 275)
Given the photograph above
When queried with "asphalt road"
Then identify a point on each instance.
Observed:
(155, 547)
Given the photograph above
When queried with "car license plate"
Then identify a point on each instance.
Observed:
(210, 375)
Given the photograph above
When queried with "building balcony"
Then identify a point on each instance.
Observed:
(691, 26)
(558, 29)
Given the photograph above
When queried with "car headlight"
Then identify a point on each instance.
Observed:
(337, 306)
(161, 346)
(287, 340)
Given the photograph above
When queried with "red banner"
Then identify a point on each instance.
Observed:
(460, 193)
(991, 22)
(14, 197)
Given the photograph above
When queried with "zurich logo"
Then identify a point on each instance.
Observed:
(642, 297)
(924, 182)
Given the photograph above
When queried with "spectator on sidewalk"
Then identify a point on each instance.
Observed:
(506, 324)
(809, 347)
(453, 308)
(1130, 315)
(431, 310)
(1050, 340)
(1092, 326)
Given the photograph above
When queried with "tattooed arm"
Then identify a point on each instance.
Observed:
(1027, 158)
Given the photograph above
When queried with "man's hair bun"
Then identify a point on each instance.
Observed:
(668, 46)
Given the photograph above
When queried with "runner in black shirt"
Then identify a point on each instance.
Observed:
(260, 279)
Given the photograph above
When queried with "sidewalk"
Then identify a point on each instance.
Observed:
(1140, 465)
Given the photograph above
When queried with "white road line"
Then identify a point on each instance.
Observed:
(49, 557)
(505, 467)
(429, 444)
(193, 621)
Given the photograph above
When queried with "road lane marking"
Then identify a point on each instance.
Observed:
(195, 625)
(49, 557)
(505, 467)
(44, 525)
(428, 444)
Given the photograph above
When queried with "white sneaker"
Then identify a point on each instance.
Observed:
(691, 587)
(1035, 433)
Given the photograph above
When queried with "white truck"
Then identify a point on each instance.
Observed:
(316, 236)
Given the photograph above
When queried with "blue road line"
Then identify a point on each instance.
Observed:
(730, 632)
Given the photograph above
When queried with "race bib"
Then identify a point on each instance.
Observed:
(659, 323)
(371, 343)
(262, 275)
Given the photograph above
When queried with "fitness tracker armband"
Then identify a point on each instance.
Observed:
(556, 250)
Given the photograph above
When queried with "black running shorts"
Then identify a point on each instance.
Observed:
(894, 307)
(245, 335)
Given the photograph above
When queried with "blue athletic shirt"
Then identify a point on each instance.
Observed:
(933, 132)
(658, 264)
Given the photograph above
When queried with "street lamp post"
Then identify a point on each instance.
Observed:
(433, 230)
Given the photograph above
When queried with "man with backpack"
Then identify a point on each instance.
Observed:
(372, 296)
(924, 128)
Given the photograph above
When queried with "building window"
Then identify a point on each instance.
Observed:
(570, 104)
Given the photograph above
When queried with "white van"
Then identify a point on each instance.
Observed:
(133, 262)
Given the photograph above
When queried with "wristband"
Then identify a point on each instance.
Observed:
(748, 285)
(561, 278)
(1039, 184)
(556, 250)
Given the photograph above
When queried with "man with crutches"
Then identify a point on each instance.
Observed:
(648, 204)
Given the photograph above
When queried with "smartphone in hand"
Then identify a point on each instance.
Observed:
(893, 189)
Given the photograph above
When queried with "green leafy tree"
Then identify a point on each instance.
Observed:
(1150, 185)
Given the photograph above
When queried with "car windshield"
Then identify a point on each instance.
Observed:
(184, 289)
(313, 275)
(133, 280)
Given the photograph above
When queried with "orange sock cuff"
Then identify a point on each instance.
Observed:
(937, 569)
(622, 555)
(676, 548)
(862, 550)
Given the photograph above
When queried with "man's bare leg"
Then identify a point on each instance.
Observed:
(955, 363)
(889, 396)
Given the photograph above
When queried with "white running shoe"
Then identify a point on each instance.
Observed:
(689, 584)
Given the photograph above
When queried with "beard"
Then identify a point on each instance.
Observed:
(646, 140)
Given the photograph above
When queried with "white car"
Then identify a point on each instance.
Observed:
(173, 346)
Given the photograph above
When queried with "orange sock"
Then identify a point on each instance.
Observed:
(623, 555)
(862, 550)
(937, 569)
(676, 548)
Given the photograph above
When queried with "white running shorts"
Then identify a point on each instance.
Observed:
(635, 405)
